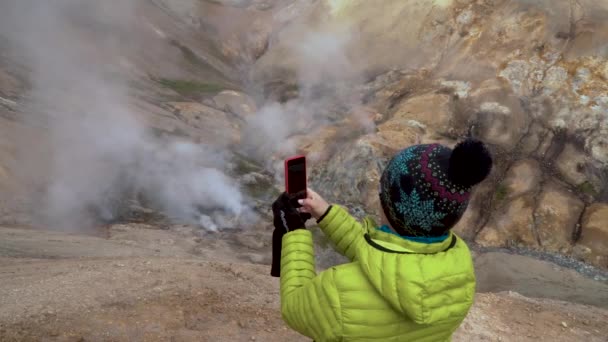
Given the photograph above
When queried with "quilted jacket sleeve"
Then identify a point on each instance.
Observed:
(344, 231)
(309, 303)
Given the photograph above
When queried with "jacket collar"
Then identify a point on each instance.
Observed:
(399, 244)
(423, 239)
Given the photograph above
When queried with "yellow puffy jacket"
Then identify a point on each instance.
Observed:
(393, 290)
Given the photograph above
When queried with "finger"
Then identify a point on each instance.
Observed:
(293, 211)
(310, 193)
(304, 210)
(296, 197)
(306, 203)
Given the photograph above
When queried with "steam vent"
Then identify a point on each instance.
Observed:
(142, 144)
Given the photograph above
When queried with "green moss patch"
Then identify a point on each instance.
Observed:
(502, 191)
(190, 56)
(587, 188)
(189, 87)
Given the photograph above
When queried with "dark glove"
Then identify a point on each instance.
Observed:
(286, 218)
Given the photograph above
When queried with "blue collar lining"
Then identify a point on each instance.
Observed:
(421, 239)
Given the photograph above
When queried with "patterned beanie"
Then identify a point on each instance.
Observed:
(425, 189)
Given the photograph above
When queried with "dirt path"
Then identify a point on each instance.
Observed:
(158, 285)
(508, 316)
(137, 299)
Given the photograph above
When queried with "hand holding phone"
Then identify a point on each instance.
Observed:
(295, 188)
(314, 204)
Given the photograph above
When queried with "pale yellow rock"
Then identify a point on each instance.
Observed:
(470, 222)
(443, 3)
(215, 126)
(235, 102)
(338, 6)
(431, 110)
(522, 178)
(511, 225)
(594, 234)
(571, 164)
(556, 217)
(537, 141)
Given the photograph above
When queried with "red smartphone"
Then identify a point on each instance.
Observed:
(295, 174)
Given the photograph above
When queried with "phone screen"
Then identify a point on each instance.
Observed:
(296, 175)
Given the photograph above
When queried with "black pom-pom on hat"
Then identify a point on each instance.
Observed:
(470, 163)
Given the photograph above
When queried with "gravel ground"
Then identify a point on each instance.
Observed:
(586, 270)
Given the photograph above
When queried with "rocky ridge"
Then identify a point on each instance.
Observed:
(503, 71)
(355, 83)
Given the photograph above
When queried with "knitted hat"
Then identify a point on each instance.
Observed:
(425, 189)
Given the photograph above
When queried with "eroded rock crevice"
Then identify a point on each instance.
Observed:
(527, 78)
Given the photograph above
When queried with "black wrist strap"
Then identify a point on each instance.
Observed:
(277, 239)
(324, 214)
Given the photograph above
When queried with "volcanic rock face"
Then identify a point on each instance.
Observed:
(161, 128)
(529, 78)
(592, 242)
(350, 83)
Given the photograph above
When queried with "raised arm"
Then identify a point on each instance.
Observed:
(309, 303)
(343, 230)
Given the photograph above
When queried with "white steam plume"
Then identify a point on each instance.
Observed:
(99, 150)
(327, 84)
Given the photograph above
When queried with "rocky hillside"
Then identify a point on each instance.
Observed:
(345, 83)
(527, 77)
(152, 133)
